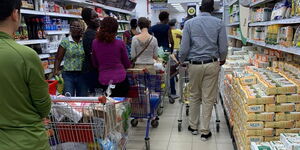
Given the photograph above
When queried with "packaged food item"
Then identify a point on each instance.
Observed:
(261, 146)
(271, 138)
(290, 141)
(297, 107)
(255, 139)
(283, 107)
(287, 116)
(279, 10)
(297, 124)
(255, 108)
(296, 41)
(280, 131)
(262, 132)
(255, 125)
(277, 145)
(285, 37)
(279, 124)
(266, 116)
(294, 98)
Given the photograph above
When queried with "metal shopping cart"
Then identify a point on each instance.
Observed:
(145, 91)
(88, 123)
(184, 96)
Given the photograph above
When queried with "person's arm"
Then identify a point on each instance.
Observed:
(38, 88)
(133, 48)
(125, 37)
(124, 57)
(59, 56)
(185, 44)
(94, 56)
(155, 50)
(171, 40)
(222, 44)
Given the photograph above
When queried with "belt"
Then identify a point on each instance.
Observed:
(203, 62)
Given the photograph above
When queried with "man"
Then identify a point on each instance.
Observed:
(204, 44)
(24, 93)
(163, 34)
(92, 20)
(176, 34)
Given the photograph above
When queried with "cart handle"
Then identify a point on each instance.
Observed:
(100, 99)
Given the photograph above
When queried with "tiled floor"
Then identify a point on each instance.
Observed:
(167, 137)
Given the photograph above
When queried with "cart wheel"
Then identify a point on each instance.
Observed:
(147, 142)
(160, 111)
(187, 112)
(171, 100)
(179, 127)
(218, 127)
(134, 122)
(154, 123)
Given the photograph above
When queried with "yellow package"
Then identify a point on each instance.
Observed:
(255, 139)
(294, 98)
(254, 125)
(271, 138)
(266, 116)
(279, 131)
(297, 124)
(262, 132)
(283, 107)
(287, 116)
(255, 108)
(260, 101)
(250, 80)
(297, 107)
(280, 124)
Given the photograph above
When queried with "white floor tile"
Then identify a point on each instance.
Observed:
(180, 146)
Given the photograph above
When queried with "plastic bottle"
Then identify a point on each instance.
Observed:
(39, 30)
(24, 31)
(42, 25)
(34, 34)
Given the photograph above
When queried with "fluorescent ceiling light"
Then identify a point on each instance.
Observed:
(176, 4)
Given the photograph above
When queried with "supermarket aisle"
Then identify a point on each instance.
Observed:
(167, 137)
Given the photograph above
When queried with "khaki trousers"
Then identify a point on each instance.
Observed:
(203, 90)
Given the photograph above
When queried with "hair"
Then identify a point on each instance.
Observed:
(7, 7)
(207, 6)
(163, 16)
(143, 23)
(172, 22)
(133, 23)
(86, 14)
(108, 30)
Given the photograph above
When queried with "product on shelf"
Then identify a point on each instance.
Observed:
(281, 10)
(262, 14)
(285, 36)
(296, 41)
(28, 4)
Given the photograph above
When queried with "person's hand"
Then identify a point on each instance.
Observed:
(222, 62)
(55, 73)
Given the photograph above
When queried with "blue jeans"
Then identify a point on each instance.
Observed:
(75, 84)
(172, 86)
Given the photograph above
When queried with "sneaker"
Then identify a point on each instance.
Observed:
(205, 137)
(175, 96)
(194, 132)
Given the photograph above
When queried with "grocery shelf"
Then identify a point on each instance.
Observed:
(260, 2)
(234, 24)
(43, 56)
(235, 37)
(29, 42)
(108, 7)
(57, 32)
(293, 20)
(53, 51)
(235, 12)
(47, 71)
(232, 2)
(34, 12)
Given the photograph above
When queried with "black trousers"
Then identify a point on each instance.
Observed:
(121, 89)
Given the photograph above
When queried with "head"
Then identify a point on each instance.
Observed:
(143, 23)
(76, 29)
(164, 17)
(108, 30)
(133, 23)
(10, 15)
(207, 6)
(172, 23)
(90, 17)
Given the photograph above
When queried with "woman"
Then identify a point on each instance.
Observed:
(129, 34)
(144, 47)
(71, 50)
(110, 58)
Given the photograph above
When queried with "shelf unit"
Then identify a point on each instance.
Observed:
(234, 12)
(294, 20)
(30, 42)
(57, 32)
(260, 2)
(234, 24)
(232, 2)
(41, 13)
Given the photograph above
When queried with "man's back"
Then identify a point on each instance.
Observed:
(204, 34)
(24, 97)
(160, 32)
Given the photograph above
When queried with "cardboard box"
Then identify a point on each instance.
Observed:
(271, 138)
(262, 132)
(279, 124)
(283, 107)
(266, 116)
(255, 108)
(280, 131)
(255, 139)
(255, 125)
(261, 146)
(287, 116)
(294, 98)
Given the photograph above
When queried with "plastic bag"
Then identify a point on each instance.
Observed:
(279, 10)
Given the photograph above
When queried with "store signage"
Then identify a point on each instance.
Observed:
(159, 6)
(184, 1)
(191, 11)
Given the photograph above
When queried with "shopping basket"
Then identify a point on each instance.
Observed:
(52, 86)
(88, 122)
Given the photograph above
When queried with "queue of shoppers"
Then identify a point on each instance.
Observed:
(94, 58)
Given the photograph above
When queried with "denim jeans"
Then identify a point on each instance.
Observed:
(172, 86)
(75, 84)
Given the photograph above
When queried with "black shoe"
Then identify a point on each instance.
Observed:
(194, 132)
(205, 137)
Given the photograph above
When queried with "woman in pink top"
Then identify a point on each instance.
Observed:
(110, 58)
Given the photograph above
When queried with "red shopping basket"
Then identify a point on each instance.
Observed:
(75, 133)
(52, 86)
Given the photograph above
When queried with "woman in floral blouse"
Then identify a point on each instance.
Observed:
(71, 51)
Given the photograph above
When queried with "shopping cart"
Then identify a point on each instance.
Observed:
(145, 91)
(88, 123)
(185, 96)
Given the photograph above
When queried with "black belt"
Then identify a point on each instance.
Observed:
(203, 62)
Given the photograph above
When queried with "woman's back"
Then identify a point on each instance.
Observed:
(139, 43)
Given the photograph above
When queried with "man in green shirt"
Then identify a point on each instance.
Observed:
(24, 98)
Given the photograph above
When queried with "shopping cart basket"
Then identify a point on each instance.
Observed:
(185, 96)
(145, 97)
(88, 123)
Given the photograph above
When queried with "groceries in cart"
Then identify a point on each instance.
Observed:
(92, 123)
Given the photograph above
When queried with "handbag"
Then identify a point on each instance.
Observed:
(133, 60)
